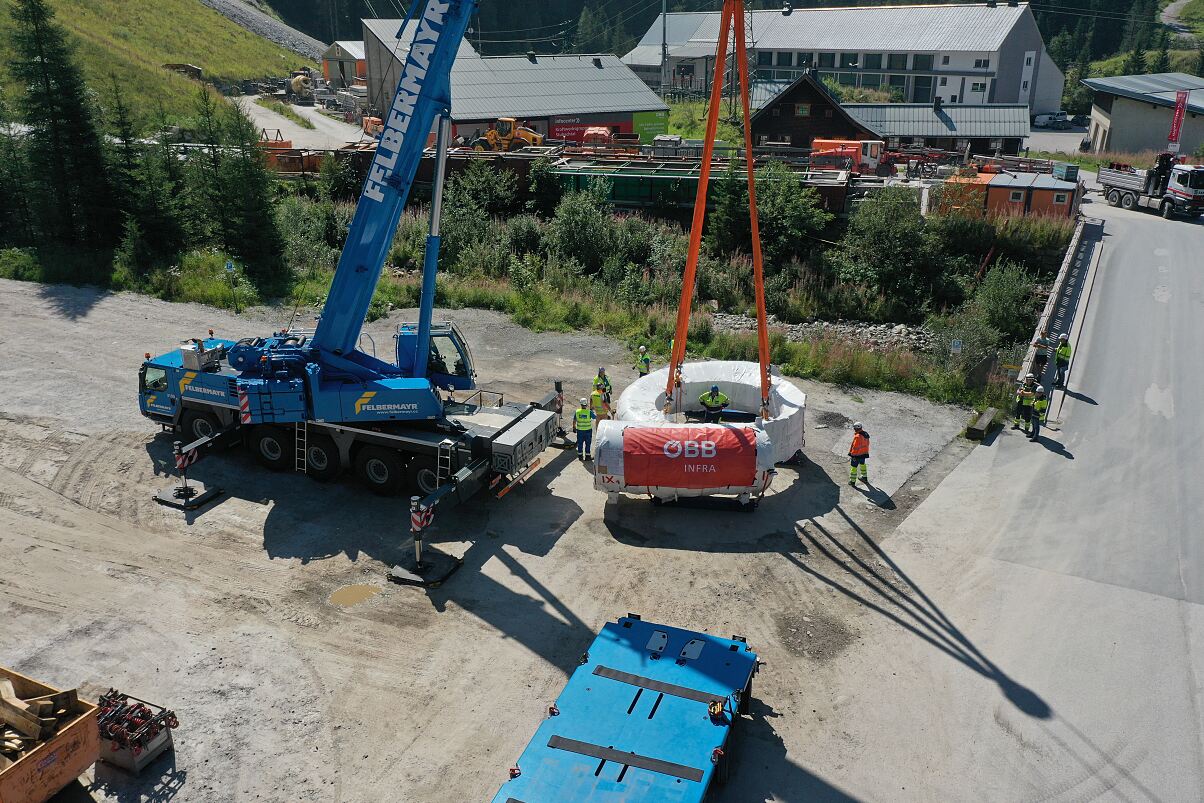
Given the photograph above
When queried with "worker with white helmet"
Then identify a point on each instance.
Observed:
(1061, 360)
(1040, 410)
(583, 423)
(643, 363)
(1024, 402)
(859, 452)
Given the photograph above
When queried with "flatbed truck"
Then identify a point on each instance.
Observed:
(648, 715)
(1171, 187)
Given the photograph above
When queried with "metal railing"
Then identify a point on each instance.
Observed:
(1055, 295)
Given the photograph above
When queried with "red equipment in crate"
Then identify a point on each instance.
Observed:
(127, 722)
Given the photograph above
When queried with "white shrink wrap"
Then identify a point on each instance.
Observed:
(643, 401)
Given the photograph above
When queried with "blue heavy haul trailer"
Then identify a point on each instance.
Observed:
(647, 716)
(312, 400)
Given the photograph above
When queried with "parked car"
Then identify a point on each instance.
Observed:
(1056, 119)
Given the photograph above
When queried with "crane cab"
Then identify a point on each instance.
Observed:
(449, 362)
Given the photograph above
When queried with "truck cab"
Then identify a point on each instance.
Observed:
(189, 387)
(1184, 191)
(449, 364)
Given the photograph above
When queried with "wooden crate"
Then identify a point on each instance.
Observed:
(57, 761)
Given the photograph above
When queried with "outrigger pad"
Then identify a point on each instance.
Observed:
(197, 496)
(436, 567)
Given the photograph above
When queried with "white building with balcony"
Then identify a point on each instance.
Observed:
(984, 53)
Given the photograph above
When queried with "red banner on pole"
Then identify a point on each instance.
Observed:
(1177, 120)
(689, 457)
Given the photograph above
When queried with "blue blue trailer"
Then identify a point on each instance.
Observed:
(647, 716)
(314, 401)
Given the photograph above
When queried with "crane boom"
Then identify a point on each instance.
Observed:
(423, 93)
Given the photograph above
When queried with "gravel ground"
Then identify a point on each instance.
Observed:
(269, 27)
(284, 695)
(327, 134)
(875, 336)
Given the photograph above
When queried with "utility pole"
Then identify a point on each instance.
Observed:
(664, 46)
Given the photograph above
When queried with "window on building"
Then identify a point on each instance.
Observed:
(918, 141)
(921, 61)
(871, 80)
(802, 110)
(805, 59)
(944, 60)
(997, 144)
(1059, 198)
(944, 81)
(776, 111)
(982, 64)
(1028, 61)
(784, 75)
(921, 89)
(953, 98)
(848, 60)
(871, 61)
(897, 84)
(892, 142)
(961, 144)
(1016, 196)
(764, 58)
(827, 60)
(896, 61)
(978, 86)
(785, 58)
(847, 79)
(827, 112)
(1024, 86)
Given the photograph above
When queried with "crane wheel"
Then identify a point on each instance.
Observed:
(424, 476)
(197, 424)
(322, 458)
(271, 447)
(381, 470)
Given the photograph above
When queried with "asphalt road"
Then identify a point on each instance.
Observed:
(327, 133)
(1041, 610)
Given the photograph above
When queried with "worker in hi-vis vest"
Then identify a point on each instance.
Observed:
(643, 363)
(598, 404)
(583, 423)
(859, 452)
(1040, 409)
(1061, 360)
(1024, 402)
(713, 402)
(602, 383)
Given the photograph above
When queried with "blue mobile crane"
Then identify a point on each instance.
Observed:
(315, 402)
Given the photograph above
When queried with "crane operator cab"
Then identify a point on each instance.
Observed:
(449, 362)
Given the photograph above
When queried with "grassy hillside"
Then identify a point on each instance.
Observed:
(132, 39)
(1193, 15)
(1181, 61)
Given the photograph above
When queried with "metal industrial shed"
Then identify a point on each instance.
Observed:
(559, 96)
(999, 128)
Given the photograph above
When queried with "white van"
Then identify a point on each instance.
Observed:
(1056, 119)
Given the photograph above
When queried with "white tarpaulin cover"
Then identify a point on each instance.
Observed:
(644, 400)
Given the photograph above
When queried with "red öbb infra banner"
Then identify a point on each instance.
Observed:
(689, 457)
(1177, 120)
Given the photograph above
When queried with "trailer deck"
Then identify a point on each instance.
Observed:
(648, 715)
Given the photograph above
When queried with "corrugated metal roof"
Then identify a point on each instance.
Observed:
(552, 85)
(974, 28)
(354, 49)
(1156, 88)
(515, 86)
(953, 120)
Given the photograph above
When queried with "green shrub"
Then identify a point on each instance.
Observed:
(21, 264)
(582, 229)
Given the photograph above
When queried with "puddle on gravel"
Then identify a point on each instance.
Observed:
(347, 596)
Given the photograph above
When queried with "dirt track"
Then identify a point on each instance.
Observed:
(410, 696)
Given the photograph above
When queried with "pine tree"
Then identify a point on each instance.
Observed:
(248, 188)
(1162, 59)
(66, 157)
(1200, 61)
(593, 34)
(16, 223)
(1134, 63)
(124, 165)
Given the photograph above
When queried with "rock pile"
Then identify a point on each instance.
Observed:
(875, 336)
